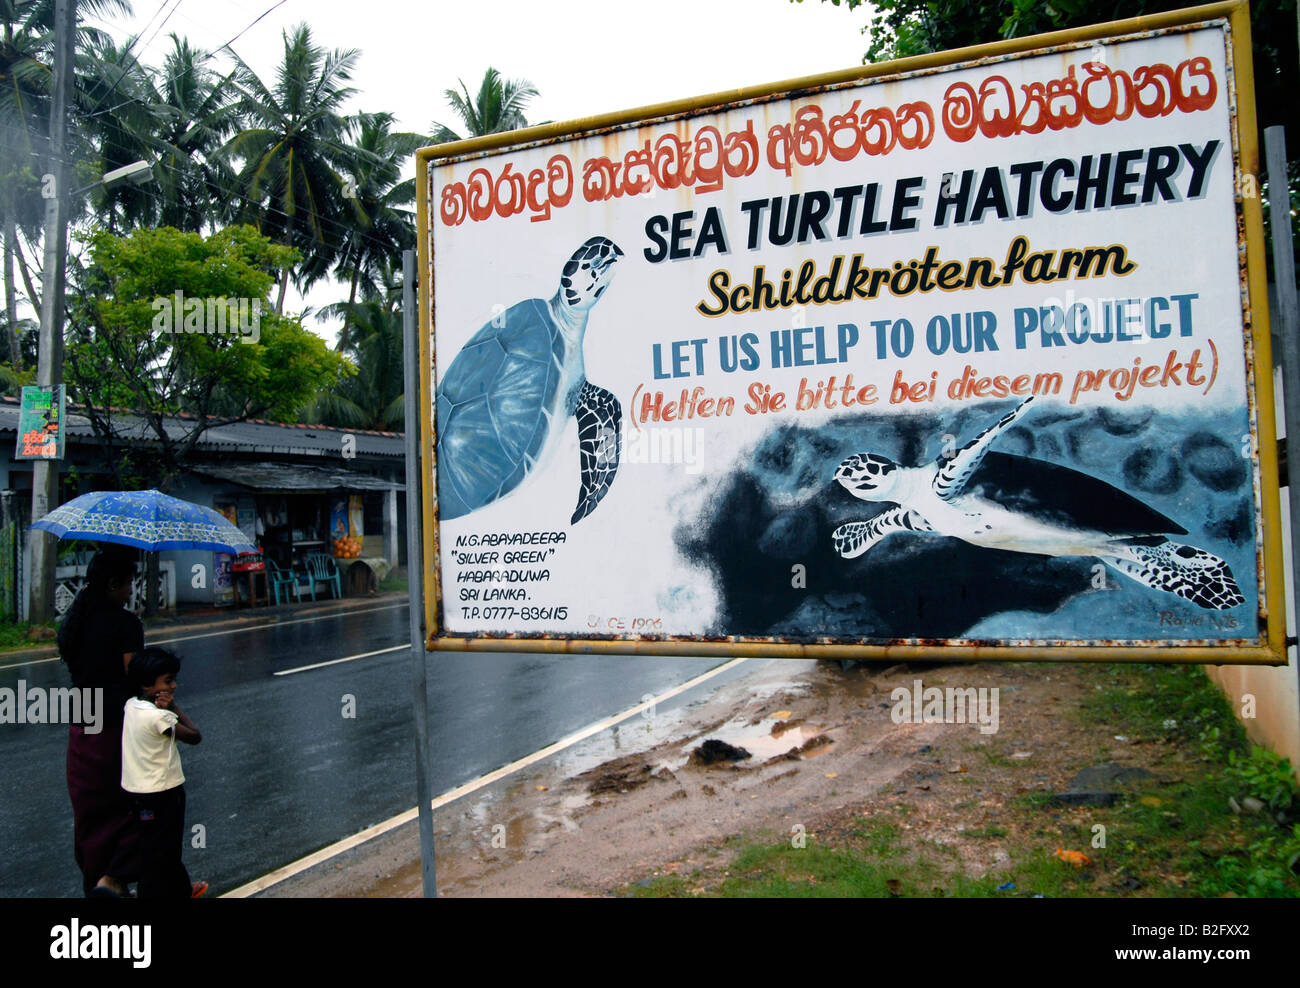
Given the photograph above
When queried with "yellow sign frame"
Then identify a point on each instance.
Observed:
(1271, 651)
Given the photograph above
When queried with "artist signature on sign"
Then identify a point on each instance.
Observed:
(1172, 619)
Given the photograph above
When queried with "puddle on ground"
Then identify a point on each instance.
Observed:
(654, 727)
(786, 683)
(767, 738)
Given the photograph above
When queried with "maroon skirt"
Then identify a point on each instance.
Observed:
(105, 834)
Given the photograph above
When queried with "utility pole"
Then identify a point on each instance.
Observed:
(49, 366)
(415, 573)
(1286, 326)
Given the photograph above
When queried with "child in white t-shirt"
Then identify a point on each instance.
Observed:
(151, 771)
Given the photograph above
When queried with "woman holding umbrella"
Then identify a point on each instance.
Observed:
(97, 639)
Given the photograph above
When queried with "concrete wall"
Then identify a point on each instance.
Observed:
(1276, 724)
(191, 488)
(1276, 689)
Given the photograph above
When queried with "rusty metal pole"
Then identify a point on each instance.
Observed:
(415, 575)
(1286, 325)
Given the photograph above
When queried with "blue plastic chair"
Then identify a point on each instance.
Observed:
(288, 580)
(321, 569)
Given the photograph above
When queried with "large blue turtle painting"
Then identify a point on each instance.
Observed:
(505, 401)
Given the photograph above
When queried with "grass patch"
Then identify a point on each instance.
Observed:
(13, 636)
(879, 838)
(1161, 701)
(662, 887)
(1187, 828)
(395, 582)
(877, 863)
(995, 758)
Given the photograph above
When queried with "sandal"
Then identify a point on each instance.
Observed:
(105, 891)
(198, 890)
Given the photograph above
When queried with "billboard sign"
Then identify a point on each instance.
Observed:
(961, 355)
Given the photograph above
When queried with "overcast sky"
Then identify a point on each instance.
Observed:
(584, 57)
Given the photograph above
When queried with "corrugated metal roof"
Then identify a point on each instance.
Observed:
(277, 477)
(255, 436)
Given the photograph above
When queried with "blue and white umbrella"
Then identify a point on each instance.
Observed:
(147, 520)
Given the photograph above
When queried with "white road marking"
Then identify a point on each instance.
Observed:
(29, 662)
(325, 853)
(277, 624)
(346, 658)
(231, 631)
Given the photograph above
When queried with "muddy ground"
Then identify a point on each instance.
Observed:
(633, 804)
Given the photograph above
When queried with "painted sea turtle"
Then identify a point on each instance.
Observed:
(1065, 513)
(506, 399)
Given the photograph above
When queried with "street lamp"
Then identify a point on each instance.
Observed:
(137, 173)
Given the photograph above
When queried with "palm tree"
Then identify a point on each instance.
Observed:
(294, 151)
(115, 119)
(499, 106)
(373, 397)
(382, 224)
(26, 54)
(196, 116)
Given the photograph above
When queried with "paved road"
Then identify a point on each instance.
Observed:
(281, 771)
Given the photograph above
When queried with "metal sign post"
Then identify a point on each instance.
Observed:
(1288, 324)
(419, 680)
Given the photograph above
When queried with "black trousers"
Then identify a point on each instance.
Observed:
(160, 817)
(105, 834)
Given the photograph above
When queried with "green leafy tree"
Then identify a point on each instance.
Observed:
(119, 356)
(902, 28)
(499, 106)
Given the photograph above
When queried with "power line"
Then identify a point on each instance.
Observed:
(158, 29)
(206, 55)
(245, 31)
(344, 229)
(337, 226)
(324, 222)
(136, 61)
(230, 193)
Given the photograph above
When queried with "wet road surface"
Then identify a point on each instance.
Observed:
(282, 770)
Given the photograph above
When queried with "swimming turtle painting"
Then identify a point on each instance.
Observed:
(506, 400)
(1061, 513)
